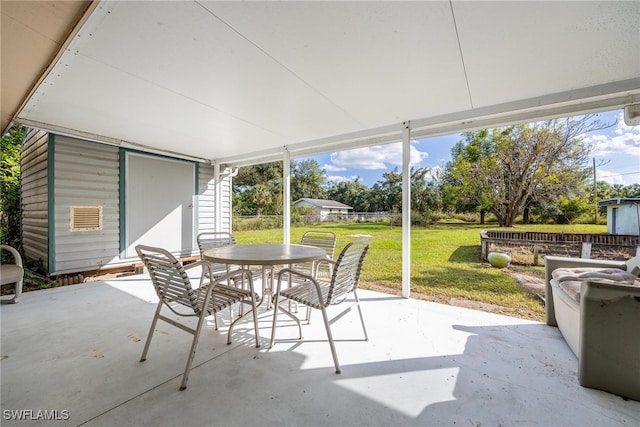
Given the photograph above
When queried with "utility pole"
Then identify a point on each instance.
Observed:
(595, 192)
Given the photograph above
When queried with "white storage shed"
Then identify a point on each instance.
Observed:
(623, 215)
(86, 204)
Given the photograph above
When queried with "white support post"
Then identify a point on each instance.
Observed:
(217, 185)
(406, 209)
(286, 194)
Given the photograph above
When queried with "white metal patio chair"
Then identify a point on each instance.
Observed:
(12, 273)
(215, 239)
(320, 294)
(174, 290)
(321, 239)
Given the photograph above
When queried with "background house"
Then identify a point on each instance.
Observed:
(324, 209)
(86, 204)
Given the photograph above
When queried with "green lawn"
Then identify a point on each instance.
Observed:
(445, 263)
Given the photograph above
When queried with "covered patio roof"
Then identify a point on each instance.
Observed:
(237, 82)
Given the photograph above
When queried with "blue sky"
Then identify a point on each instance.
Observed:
(617, 147)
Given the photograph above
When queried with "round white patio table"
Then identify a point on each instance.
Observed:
(264, 254)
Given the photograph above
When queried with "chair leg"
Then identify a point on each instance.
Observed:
(255, 322)
(255, 318)
(203, 275)
(253, 311)
(330, 337)
(364, 329)
(270, 291)
(192, 351)
(151, 330)
(293, 317)
(275, 319)
(18, 291)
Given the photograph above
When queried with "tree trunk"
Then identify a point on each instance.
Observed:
(525, 215)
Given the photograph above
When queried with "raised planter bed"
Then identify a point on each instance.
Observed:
(578, 245)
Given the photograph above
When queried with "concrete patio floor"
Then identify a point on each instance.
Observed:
(74, 352)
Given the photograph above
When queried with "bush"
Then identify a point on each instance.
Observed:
(570, 209)
(257, 223)
(469, 217)
(418, 219)
(10, 210)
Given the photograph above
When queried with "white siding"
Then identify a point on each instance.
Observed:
(34, 188)
(207, 200)
(623, 219)
(227, 207)
(85, 174)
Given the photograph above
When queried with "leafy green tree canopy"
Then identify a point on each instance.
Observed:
(307, 180)
(503, 170)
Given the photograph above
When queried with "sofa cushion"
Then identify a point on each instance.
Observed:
(570, 279)
(583, 273)
(572, 289)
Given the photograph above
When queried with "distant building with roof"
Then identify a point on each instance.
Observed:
(324, 209)
(623, 215)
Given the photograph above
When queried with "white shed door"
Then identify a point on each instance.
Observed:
(159, 204)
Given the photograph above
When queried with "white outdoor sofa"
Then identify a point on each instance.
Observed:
(596, 306)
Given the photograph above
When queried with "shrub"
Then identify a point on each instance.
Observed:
(257, 223)
(10, 210)
(466, 216)
(570, 209)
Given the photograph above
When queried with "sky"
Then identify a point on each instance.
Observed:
(616, 151)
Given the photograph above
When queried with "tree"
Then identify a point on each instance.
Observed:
(386, 194)
(390, 188)
(307, 180)
(10, 209)
(260, 196)
(351, 193)
(256, 189)
(425, 196)
(631, 191)
(269, 174)
(506, 169)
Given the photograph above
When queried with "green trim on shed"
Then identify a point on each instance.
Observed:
(51, 206)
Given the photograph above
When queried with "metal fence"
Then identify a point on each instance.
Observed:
(337, 217)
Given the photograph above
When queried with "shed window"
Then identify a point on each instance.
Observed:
(86, 218)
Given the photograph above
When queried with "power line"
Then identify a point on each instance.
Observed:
(618, 174)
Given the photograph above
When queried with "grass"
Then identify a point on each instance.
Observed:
(445, 263)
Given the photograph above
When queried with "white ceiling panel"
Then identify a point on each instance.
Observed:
(225, 81)
(380, 61)
(523, 49)
(206, 85)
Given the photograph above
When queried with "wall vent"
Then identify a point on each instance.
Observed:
(86, 218)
